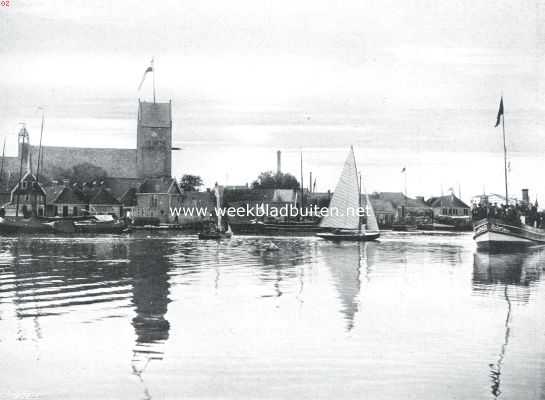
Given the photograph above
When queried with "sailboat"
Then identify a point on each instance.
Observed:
(343, 216)
(216, 231)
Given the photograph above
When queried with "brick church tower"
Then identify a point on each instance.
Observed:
(154, 140)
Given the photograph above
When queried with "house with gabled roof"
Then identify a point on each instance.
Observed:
(102, 201)
(65, 200)
(28, 195)
(156, 197)
(448, 205)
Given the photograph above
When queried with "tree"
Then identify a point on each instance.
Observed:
(80, 173)
(270, 180)
(190, 183)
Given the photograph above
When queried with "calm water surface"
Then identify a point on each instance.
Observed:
(414, 316)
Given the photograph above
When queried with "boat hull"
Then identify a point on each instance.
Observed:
(215, 235)
(278, 229)
(404, 228)
(498, 235)
(117, 226)
(21, 225)
(352, 237)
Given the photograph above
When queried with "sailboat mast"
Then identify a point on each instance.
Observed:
(504, 156)
(22, 136)
(302, 202)
(40, 150)
(3, 155)
(359, 205)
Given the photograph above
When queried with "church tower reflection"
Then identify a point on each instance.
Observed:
(149, 270)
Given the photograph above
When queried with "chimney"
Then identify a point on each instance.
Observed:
(278, 162)
(65, 182)
(525, 196)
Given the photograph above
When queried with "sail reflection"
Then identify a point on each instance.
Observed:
(349, 264)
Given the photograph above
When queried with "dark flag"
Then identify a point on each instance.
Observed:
(500, 113)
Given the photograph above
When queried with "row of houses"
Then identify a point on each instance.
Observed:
(389, 207)
(147, 199)
(154, 198)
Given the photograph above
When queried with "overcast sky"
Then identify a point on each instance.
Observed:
(413, 76)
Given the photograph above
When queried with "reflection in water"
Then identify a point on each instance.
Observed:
(515, 272)
(149, 269)
(248, 316)
(54, 277)
(277, 266)
(347, 262)
(495, 369)
(491, 271)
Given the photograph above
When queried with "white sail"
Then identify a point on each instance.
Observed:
(372, 224)
(343, 209)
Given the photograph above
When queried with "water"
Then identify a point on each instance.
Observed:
(414, 316)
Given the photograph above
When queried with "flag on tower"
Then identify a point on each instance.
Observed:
(500, 112)
(149, 69)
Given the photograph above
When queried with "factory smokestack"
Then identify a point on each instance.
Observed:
(525, 196)
(278, 162)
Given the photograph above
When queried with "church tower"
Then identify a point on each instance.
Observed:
(154, 140)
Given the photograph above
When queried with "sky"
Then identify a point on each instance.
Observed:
(412, 84)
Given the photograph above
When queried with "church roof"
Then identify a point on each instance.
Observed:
(155, 115)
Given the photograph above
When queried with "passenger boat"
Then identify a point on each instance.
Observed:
(497, 234)
(344, 218)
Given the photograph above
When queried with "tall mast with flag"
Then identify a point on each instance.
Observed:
(501, 116)
(152, 70)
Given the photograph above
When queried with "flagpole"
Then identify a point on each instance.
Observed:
(3, 156)
(153, 70)
(504, 156)
(302, 194)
